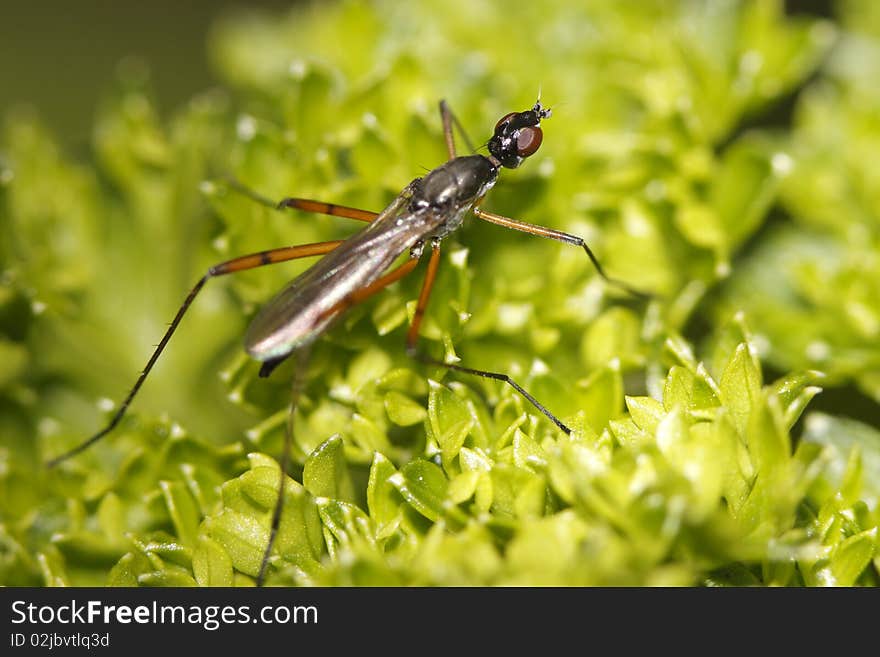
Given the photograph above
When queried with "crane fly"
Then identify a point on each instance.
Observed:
(428, 209)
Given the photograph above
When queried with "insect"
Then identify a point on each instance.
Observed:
(427, 210)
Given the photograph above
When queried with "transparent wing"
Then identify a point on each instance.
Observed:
(299, 313)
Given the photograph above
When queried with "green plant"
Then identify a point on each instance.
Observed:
(688, 464)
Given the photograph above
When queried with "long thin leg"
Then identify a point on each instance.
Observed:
(230, 266)
(299, 377)
(412, 338)
(308, 205)
(449, 119)
(559, 236)
(304, 204)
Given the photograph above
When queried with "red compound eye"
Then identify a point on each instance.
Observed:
(528, 141)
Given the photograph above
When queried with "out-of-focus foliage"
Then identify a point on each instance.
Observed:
(687, 465)
(819, 273)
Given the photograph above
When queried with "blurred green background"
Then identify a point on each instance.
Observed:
(718, 154)
(61, 57)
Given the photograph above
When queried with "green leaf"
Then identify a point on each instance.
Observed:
(742, 190)
(768, 441)
(326, 474)
(367, 366)
(517, 492)
(349, 525)
(88, 548)
(174, 577)
(367, 435)
(111, 516)
(689, 390)
(212, 566)
(844, 468)
(383, 500)
(544, 548)
(183, 511)
(402, 410)
(601, 397)
(731, 334)
(702, 224)
(795, 392)
(527, 453)
(646, 412)
(772, 501)
(740, 386)
(462, 487)
(852, 556)
(126, 570)
(673, 435)
(243, 537)
(851, 486)
(242, 526)
(613, 335)
(424, 486)
(450, 420)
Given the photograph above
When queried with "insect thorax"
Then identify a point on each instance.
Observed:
(453, 188)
